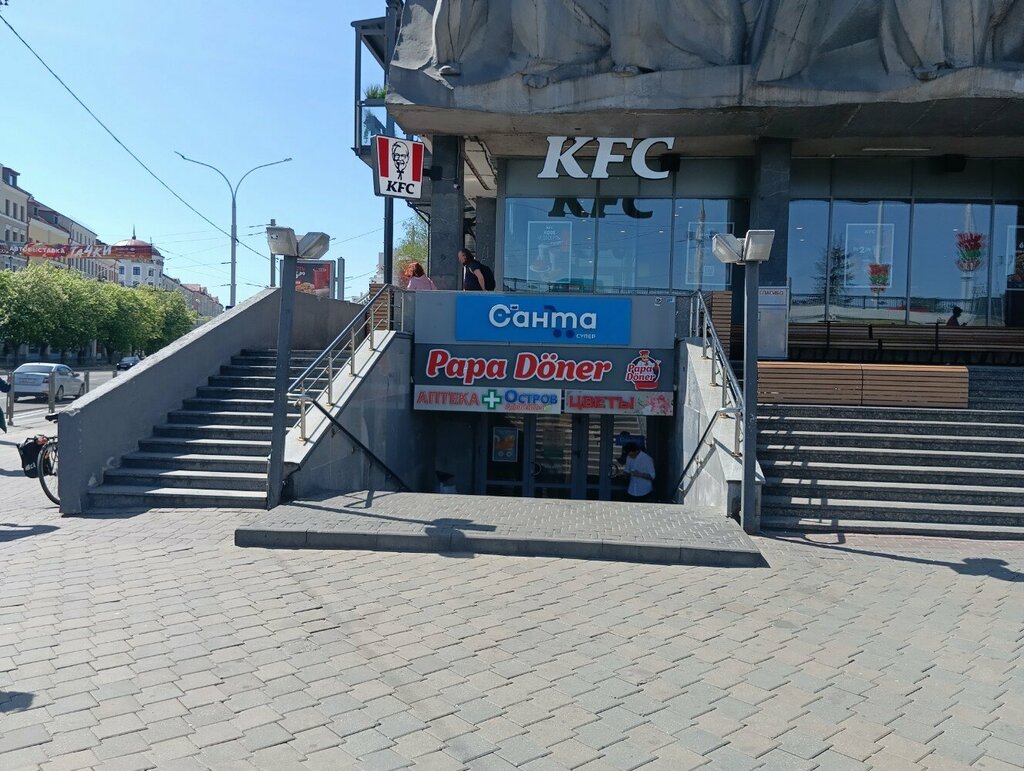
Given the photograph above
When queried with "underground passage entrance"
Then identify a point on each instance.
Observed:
(566, 456)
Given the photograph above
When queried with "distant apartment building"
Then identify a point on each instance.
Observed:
(141, 272)
(13, 217)
(49, 226)
(205, 304)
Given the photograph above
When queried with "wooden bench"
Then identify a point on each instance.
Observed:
(881, 385)
(790, 382)
(933, 342)
(987, 342)
(887, 385)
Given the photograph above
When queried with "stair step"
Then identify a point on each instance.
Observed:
(210, 417)
(212, 431)
(920, 474)
(890, 413)
(262, 406)
(130, 496)
(184, 446)
(186, 479)
(951, 459)
(948, 530)
(892, 441)
(224, 392)
(975, 428)
(910, 511)
(195, 462)
(903, 492)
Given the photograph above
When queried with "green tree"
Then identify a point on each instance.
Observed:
(413, 246)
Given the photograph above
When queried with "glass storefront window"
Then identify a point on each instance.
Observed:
(1007, 274)
(870, 264)
(950, 262)
(634, 244)
(868, 259)
(697, 220)
(549, 244)
(809, 261)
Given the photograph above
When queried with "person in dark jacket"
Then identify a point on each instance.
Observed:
(4, 388)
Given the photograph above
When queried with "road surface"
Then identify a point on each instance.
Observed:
(29, 409)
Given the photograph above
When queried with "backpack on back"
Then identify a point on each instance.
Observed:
(489, 282)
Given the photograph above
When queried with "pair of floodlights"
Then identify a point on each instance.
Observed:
(283, 243)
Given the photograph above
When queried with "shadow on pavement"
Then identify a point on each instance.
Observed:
(11, 532)
(970, 566)
(15, 701)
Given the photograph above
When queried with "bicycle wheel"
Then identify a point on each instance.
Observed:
(48, 469)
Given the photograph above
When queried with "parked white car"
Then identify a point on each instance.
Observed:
(34, 380)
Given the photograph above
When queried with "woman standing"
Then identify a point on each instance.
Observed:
(419, 281)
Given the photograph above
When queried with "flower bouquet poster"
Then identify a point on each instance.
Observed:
(869, 250)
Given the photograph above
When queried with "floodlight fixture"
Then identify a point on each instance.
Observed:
(727, 248)
(282, 242)
(313, 246)
(756, 247)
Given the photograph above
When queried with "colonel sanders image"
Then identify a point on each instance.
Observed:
(400, 157)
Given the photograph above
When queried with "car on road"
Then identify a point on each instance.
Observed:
(128, 362)
(34, 380)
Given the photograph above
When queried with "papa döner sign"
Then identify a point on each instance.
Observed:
(606, 369)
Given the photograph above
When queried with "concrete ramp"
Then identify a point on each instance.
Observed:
(426, 522)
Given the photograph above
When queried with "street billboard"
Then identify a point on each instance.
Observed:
(315, 277)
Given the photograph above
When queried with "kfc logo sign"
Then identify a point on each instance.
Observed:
(565, 157)
(397, 167)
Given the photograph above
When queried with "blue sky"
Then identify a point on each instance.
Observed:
(228, 82)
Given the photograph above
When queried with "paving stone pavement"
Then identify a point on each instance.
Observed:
(635, 532)
(150, 641)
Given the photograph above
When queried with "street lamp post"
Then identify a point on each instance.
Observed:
(283, 243)
(234, 215)
(749, 252)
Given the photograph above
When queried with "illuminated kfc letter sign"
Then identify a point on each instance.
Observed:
(566, 158)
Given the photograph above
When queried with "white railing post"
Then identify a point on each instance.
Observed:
(330, 378)
(352, 355)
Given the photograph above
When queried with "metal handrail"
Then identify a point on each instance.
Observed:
(703, 327)
(735, 411)
(318, 377)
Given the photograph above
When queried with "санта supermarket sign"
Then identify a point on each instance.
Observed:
(518, 318)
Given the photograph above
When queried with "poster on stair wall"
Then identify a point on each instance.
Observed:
(315, 277)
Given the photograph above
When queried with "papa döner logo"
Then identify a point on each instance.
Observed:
(643, 372)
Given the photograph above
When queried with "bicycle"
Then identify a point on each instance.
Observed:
(48, 466)
(40, 459)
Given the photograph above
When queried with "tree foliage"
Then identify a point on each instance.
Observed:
(47, 306)
(413, 246)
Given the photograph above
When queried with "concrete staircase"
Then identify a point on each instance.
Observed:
(879, 469)
(213, 451)
(996, 388)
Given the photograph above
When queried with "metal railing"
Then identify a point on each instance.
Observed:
(722, 376)
(384, 312)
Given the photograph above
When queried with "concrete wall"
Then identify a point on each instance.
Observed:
(108, 423)
(377, 409)
(718, 475)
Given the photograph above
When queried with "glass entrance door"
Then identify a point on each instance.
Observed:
(559, 456)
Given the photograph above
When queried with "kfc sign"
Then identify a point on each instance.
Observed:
(397, 167)
(559, 155)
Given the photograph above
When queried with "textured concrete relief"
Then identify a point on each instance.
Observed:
(652, 35)
(928, 37)
(834, 44)
(560, 39)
